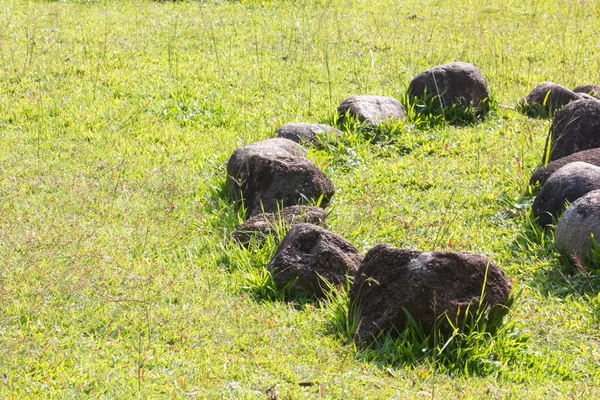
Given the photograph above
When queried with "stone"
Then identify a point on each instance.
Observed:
(567, 184)
(426, 284)
(273, 174)
(372, 110)
(262, 225)
(542, 174)
(546, 99)
(575, 128)
(456, 84)
(574, 230)
(307, 255)
(590, 89)
(305, 133)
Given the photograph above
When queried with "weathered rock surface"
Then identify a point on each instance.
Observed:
(262, 225)
(567, 184)
(546, 99)
(275, 174)
(542, 174)
(590, 89)
(426, 284)
(306, 133)
(458, 83)
(578, 223)
(575, 128)
(372, 110)
(308, 253)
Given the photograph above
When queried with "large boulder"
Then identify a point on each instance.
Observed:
(372, 110)
(542, 174)
(575, 128)
(456, 84)
(565, 185)
(269, 175)
(262, 225)
(307, 255)
(306, 133)
(578, 223)
(589, 89)
(546, 99)
(426, 284)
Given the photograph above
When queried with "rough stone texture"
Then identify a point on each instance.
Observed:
(272, 174)
(457, 83)
(578, 223)
(308, 253)
(372, 110)
(590, 89)
(262, 225)
(542, 174)
(559, 96)
(427, 284)
(567, 184)
(575, 128)
(305, 133)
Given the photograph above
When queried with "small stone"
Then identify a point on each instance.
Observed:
(590, 89)
(307, 255)
(577, 225)
(372, 110)
(262, 225)
(567, 184)
(305, 133)
(426, 284)
(546, 99)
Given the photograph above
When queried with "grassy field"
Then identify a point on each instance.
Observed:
(117, 277)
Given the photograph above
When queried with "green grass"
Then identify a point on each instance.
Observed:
(118, 278)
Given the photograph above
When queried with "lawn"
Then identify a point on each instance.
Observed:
(118, 278)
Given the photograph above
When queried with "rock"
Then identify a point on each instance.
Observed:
(372, 110)
(272, 174)
(546, 99)
(575, 128)
(591, 156)
(591, 89)
(266, 224)
(456, 84)
(578, 223)
(306, 133)
(567, 184)
(308, 253)
(426, 284)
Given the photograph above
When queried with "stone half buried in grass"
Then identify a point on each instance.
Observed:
(306, 133)
(575, 128)
(310, 254)
(589, 89)
(574, 230)
(542, 174)
(546, 99)
(564, 186)
(262, 225)
(456, 86)
(425, 284)
(372, 110)
(268, 175)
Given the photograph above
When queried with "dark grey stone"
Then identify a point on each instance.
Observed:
(426, 284)
(567, 184)
(456, 84)
(372, 110)
(262, 225)
(575, 128)
(273, 174)
(578, 223)
(305, 133)
(542, 174)
(307, 255)
(546, 99)
(590, 89)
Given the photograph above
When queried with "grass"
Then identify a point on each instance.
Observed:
(118, 278)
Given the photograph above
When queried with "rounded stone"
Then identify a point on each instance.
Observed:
(577, 225)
